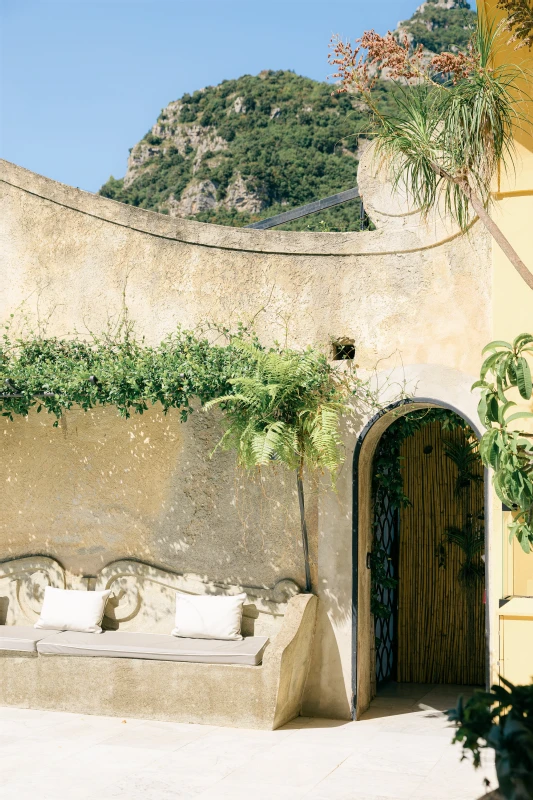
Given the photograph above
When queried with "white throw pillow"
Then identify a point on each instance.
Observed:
(208, 616)
(72, 610)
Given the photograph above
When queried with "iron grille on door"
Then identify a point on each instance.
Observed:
(385, 547)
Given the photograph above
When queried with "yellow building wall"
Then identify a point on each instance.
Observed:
(513, 201)
(512, 570)
(516, 648)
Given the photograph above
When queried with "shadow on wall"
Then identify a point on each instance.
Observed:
(100, 488)
(143, 597)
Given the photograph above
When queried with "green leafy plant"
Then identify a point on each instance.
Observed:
(286, 410)
(453, 122)
(507, 451)
(502, 720)
(470, 539)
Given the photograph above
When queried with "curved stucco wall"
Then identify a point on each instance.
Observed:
(406, 287)
(99, 488)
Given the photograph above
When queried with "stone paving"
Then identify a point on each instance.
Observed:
(401, 749)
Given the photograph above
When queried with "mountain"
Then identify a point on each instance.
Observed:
(440, 25)
(255, 146)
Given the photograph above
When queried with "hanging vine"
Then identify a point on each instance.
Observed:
(121, 370)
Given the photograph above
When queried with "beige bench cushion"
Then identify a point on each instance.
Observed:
(153, 646)
(21, 638)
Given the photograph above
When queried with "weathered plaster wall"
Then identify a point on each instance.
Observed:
(406, 286)
(100, 488)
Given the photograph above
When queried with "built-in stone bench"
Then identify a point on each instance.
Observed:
(137, 669)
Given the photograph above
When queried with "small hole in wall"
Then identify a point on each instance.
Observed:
(428, 449)
(344, 349)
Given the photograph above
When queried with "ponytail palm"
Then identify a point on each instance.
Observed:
(285, 410)
(452, 126)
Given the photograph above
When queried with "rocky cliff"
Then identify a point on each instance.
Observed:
(252, 147)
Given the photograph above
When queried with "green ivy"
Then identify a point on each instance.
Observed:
(57, 374)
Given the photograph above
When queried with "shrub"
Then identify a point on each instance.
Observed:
(502, 720)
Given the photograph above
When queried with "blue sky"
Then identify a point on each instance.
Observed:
(81, 81)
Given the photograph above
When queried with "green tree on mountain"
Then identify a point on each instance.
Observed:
(283, 138)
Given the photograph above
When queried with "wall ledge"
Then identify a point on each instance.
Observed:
(411, 239)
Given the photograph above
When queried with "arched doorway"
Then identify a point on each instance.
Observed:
(436, 627)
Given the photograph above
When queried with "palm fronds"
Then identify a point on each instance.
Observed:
(465, 456)
(479, 114)
(471, 540)
(453, 124)
(449, 134)
(409, 142)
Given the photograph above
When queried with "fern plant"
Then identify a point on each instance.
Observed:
(286, 410)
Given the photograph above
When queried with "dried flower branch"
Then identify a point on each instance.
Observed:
(352, 67)
(519, 21)
(359, 67)
(459, 66)
(394, 55)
